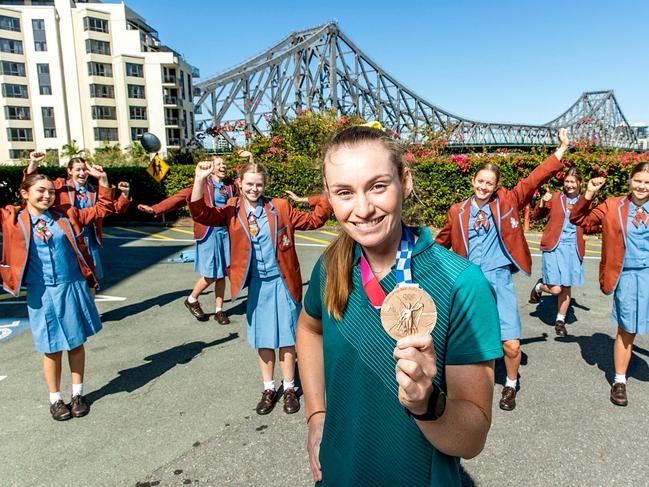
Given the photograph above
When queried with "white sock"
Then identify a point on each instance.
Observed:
(561, 317)
(511, 383)
(619, 378)
(55, 396)
(218, 309)
(269, 384)
(288, 384)
(191, 299)
(537, 288)
(77, 389)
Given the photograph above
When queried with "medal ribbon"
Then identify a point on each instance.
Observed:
(640, 217)
(403, 272)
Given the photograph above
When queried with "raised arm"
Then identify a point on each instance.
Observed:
(201, 213)
(105, 205)
(124, 199)
(543, 207)
(583, 213)
(173, 202)
(522, 193)
(35, 159)
(310, 220)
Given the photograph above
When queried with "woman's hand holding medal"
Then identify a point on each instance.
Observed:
(415, 371)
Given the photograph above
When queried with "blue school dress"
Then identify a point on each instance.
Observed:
(631, 297)
(83, 200)
(562, 265)
(213, 250)
(271, 312)
(62, 313)
(486, 250)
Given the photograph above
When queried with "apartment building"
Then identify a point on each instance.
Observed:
(91, 72)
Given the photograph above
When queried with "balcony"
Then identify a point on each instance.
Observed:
(173, 143)
(195, 72)
(171, 121)
(173, 101)
(169, 79)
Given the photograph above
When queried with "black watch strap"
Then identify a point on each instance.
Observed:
(436, 406)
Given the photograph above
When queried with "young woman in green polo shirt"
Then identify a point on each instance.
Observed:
(380, 411)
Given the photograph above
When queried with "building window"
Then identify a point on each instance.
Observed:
(103, 113)
(11, 46)
(136, 132)
(12, 69)
(19, 153)
(14, 91)
(133, 69)
(102, 91)
(40, 42)
(100, 69)
(105, 133)
(9, 23)
(136, 91)
(94, 46)
(181, 78)
(17, 113)
(137, 113)
(19, 135)
(44, 82)
(95, 24)
(49, 127)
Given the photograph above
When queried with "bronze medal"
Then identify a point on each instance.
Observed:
(408, 310)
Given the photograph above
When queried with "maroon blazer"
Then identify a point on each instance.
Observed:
(505, 206)
(16, 238)
(180, 199)
(283, 220)
(556, 208)
(66, 195)
(612, 216)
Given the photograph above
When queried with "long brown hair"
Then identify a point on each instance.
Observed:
(338, 257)
(31, 180)
(489, 166)
(639, 167)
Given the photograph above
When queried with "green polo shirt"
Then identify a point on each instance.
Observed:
(368, 438)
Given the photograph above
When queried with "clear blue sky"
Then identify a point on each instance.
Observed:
(505, 61)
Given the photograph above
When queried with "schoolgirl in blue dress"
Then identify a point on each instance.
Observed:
(624, 270)
(212, 243)
(563, 247)
(263, 257)
(44, 251)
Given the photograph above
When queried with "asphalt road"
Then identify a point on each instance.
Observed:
(173, 398)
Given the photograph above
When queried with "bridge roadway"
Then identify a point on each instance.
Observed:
(173, 399)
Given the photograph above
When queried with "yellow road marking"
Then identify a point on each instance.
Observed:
(156, 235)
(325, 232)
(180, 230)
(313, 239)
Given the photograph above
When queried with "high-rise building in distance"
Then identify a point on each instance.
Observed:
(91, 72)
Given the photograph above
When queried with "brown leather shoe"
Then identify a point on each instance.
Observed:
(60, 411)
(618, 394)
(195, 309)
(267, 402)
(535, 296)
(222, 318)
(78, 406)
(560, 328)
(508, 399)
(291, 402)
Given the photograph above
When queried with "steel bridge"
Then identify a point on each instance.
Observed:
(321, 68)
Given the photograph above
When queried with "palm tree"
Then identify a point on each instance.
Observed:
(70, 149)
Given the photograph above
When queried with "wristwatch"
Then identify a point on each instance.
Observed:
(436, 406)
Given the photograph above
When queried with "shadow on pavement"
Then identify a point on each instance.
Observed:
(546, 310)
(130, 380)
(135, 308)
(597, 349)
(466, 479)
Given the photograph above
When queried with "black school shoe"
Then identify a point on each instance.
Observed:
(78, 406)
(60, 411)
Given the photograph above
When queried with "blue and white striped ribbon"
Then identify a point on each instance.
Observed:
(403, 271)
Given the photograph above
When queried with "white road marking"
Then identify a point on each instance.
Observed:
(2, 377)
(102, 298)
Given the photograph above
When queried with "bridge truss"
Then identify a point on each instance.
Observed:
(321, 68)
